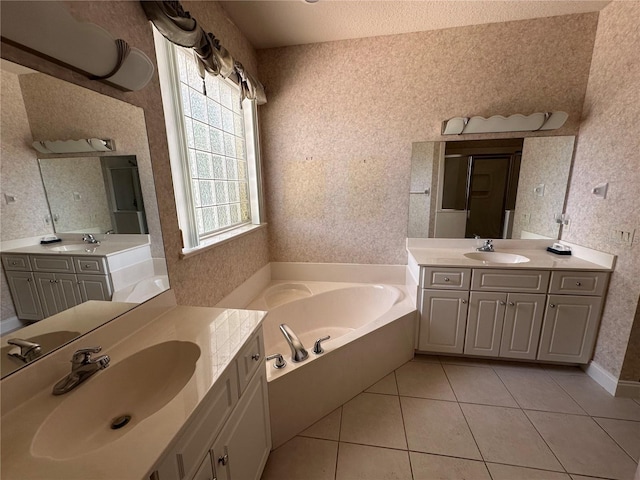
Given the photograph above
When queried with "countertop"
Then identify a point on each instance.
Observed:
(219, 333)
(105, 249)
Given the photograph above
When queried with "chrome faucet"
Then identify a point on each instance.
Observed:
(28, 350)
(487, 247)
(82, 367)
(298, 352)
(89, 238)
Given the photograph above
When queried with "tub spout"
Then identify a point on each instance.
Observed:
(298, 352)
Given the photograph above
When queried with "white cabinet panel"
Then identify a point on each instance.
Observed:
(579, 283)
(484, 325)
(522, 324)
(569, 329)
(525, 281)
(95, 287)
(446, 278)
(25, 295)
(443, 321)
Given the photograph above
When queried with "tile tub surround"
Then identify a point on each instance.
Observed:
(456, 439)
(218, 333)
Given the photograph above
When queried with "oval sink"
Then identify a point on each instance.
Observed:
(497, 257)
(137, 386)
(74, 247)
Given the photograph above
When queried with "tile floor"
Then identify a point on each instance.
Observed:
(456, 418)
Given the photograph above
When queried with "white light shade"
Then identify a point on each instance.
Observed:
(75, 146)
(499, 124)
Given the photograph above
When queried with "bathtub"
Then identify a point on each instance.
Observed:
(143, 290)
(372, 329)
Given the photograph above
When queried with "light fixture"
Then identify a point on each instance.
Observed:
(85, 145)
(49, 30)
(498, 123)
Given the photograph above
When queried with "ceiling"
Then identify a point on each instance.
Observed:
(269, 24)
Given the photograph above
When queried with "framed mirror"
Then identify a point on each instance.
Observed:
(110, 195)
(510, 188)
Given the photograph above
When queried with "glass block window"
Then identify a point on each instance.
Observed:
(215, 137)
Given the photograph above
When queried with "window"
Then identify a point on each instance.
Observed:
(213, 145)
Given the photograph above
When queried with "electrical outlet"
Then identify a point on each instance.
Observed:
(624, 237)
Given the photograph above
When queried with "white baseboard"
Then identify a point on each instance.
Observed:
(608, 381)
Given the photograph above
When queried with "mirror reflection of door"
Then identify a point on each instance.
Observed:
(487, 195)
(124, 194)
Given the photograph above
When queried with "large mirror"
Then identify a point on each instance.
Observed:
(510, 188)
(110, 195)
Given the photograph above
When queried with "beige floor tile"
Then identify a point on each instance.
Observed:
(327, 428)
(470, 362)
(373, 419)
(478, 385)
(536, 390)
(581, 445)
(360, 462)
(509, 472)
(435, 467)
(424, 380)
(512, 365)
(435, 426)
(559, 370)
(505, 435)
(308, 458)
(625, 433)
(596, 401)
(580, 477)
(423, 357)
(387, 385)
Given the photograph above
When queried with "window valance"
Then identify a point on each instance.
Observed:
(177, 26)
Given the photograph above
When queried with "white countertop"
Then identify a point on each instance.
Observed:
(106, 248)
(219, 333)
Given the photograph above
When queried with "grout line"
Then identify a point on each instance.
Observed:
(612, 438)
(404, 428)
(537, 468)
(335, 472)
(544, 440)
(507, 388)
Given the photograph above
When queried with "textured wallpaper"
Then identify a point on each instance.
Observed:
(59, 110)
(342, 116)
(545, 161)
(607, 150)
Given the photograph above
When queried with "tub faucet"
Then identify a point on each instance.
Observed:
(28, 350)
(298, 352)
(82, 367)
(487, 247)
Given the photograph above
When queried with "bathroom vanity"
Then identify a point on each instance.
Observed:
(190, 379)
(544, 307)
(46, 280)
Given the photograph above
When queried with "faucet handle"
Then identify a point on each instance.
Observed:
(84, 354)
(279, 363)
(317, 347)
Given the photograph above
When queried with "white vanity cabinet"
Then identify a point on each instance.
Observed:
(511, 313)
(43, 285)
(230, 438)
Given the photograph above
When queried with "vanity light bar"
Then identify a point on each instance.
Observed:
(75, 146)
(498, 123)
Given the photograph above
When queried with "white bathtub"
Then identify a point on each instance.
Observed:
(143, 290)
(372, 329)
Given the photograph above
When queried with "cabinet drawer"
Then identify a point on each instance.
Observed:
(52, 263)
(90, 265)
(580, 283)
(192, 447)
(526, 281)
(446, 278)
(250, 358)
(16, 262)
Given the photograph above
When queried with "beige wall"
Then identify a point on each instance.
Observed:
(206, 278)
(607, 150)
(342, 116)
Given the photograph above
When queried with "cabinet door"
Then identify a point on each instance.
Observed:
(484, 325)
(241, 450)
(522, 324)
(443, 321)
(25, 295)
(50, 295)
(69, 289)
(569, 328)
(205, 472)
(95, 287)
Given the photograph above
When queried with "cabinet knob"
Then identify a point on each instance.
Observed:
(464, 301)
(255, 356)
(511, 304)
(502, 303)
(446, 279)
(578, 284)
(552, 305)
(14, 263)
(224, 459)
(28, 280)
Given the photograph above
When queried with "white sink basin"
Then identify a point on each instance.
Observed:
(137, 387)
(74, 247)
(497, 257)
